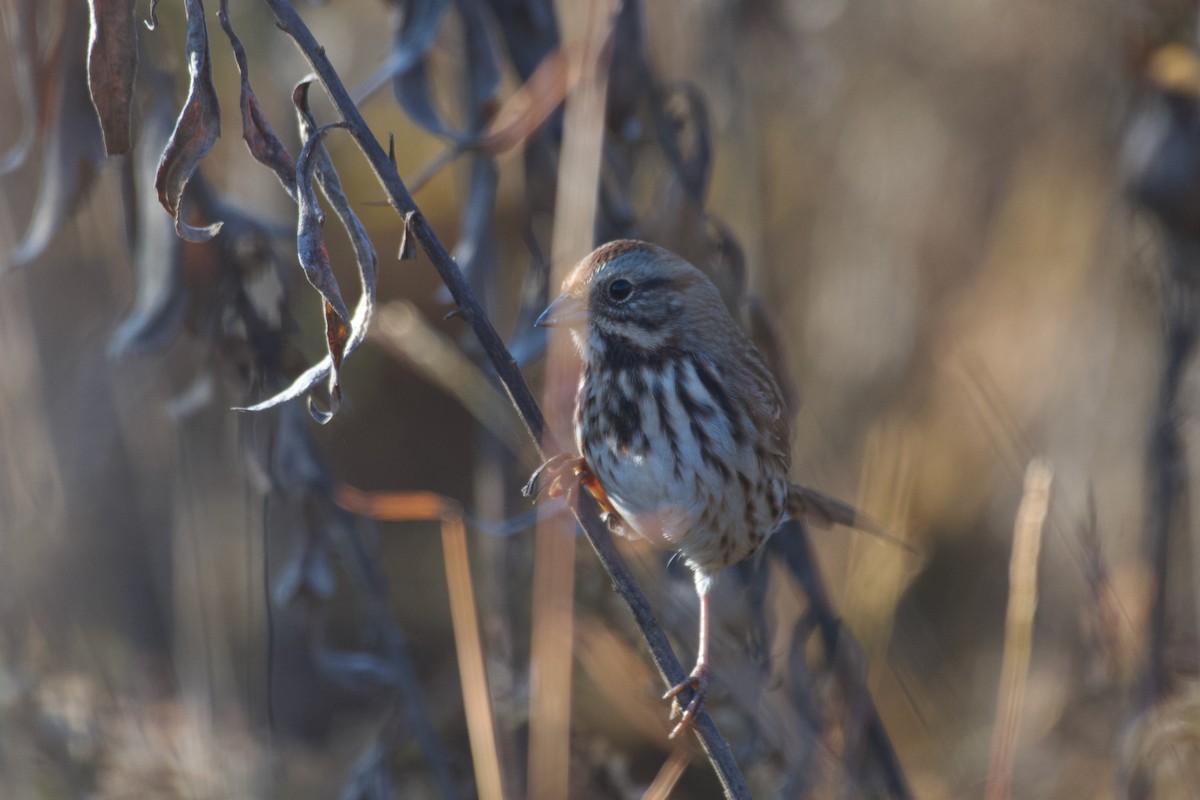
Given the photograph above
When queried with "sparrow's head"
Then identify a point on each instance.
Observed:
(631, 294)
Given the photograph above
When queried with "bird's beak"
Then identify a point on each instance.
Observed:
(567, 312)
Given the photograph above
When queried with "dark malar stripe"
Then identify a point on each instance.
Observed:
(620, 354)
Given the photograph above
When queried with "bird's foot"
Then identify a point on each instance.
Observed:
(552, 479)
(549, 478)
(698, 683)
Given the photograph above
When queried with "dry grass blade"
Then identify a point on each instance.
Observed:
(480, 725)
(603, 654)
(1018, 634)
(430, 507)
(554, 548)
(551, 657)
(672, 770)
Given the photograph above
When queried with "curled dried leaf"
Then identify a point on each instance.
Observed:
(314, 164)
(73, 146)
(20, 24)
(683, 130)
(196, 130)
(416, 26)
(161, 298)
(306, 573)
(310, 239)
(257, 132)
(112, 68)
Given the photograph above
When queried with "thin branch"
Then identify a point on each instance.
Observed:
(715, 746)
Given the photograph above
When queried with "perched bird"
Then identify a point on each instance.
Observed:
(680, 426)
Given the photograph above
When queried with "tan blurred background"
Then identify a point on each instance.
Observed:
(929, 198)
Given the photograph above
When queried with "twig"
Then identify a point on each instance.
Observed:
(715, 746)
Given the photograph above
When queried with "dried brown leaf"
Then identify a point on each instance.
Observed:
(310, 238)
(314, 165)
(112, 68)
(257, 132)
(196, 130)
(530, 106)
(520, 116)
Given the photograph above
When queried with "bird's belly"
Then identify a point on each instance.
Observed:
(644, 489)
(677, 469)
(676, 498)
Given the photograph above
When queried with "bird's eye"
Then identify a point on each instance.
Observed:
(620, 290)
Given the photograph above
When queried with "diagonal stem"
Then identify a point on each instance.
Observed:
(715, 746)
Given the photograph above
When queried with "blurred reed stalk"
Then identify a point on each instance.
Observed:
(551, 646)
(430, 507)
(672, 770)
(1018, 627)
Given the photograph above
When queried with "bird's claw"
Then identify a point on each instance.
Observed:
(555, 467)
(698, 683)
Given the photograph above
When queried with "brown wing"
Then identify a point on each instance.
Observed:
(756, 389)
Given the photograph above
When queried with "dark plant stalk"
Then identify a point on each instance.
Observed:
(792, 542)
(672, 672)
(1166, 460)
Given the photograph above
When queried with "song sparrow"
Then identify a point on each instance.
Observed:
(680, 425)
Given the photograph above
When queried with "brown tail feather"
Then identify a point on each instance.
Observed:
(825, 511)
